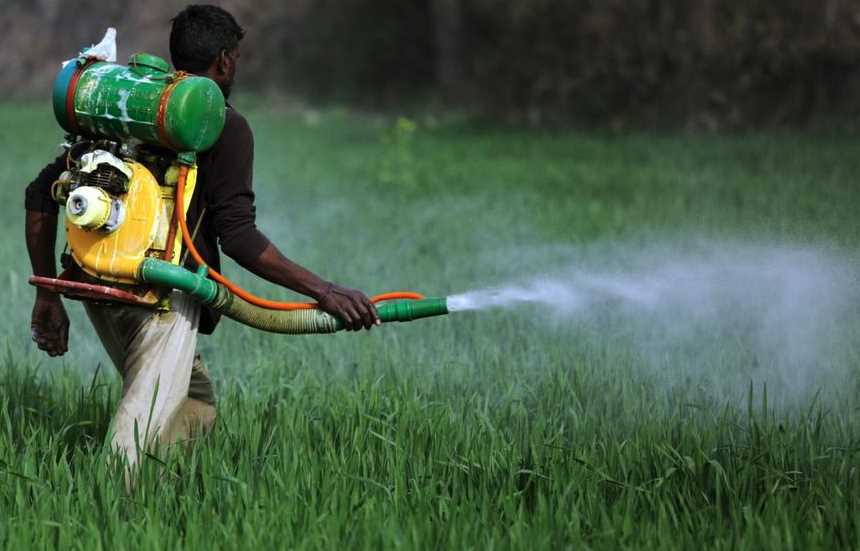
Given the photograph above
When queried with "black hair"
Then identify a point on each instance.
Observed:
(199, 34)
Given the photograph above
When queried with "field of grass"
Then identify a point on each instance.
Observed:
(485, 430)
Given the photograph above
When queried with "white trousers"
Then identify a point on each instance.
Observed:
(166, 391)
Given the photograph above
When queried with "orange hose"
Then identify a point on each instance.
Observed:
(234, 288)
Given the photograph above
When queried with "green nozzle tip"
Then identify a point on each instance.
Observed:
(409, 310)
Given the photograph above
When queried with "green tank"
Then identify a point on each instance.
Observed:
(145, 101)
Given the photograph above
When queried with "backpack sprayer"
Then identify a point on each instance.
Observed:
(133, 136)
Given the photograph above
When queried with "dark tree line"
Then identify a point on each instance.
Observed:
(707, 63)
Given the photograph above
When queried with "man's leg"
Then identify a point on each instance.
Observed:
(154, 352)
(196, 415)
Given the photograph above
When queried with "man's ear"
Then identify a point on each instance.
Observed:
(223, 63)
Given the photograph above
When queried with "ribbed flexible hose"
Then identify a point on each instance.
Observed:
(293, 322)
(288, 322)
(233, 287)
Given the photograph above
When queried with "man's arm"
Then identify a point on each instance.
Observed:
(231, 202)
(49, 324)
(351, 306)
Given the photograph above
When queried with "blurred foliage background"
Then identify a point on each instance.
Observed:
(702, 64)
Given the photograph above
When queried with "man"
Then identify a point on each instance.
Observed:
(167, 392)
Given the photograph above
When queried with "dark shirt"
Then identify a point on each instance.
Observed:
(223, 196)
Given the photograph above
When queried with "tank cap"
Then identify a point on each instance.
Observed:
(148, 64)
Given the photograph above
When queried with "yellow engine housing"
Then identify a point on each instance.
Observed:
(116, 256)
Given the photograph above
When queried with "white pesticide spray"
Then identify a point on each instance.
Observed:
(787, 312)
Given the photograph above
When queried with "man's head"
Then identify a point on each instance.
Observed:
(204, 40)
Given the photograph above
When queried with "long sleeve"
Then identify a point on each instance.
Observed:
(230, 194)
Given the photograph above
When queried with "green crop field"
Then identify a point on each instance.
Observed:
(483, 430)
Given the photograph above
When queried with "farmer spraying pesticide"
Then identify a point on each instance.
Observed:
(155, 177)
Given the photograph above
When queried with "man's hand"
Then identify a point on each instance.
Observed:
(351, 306)
(50, 324)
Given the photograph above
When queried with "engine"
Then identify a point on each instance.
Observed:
(118, 201)
(91, 188)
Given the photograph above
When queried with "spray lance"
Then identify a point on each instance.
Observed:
(133, 136)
